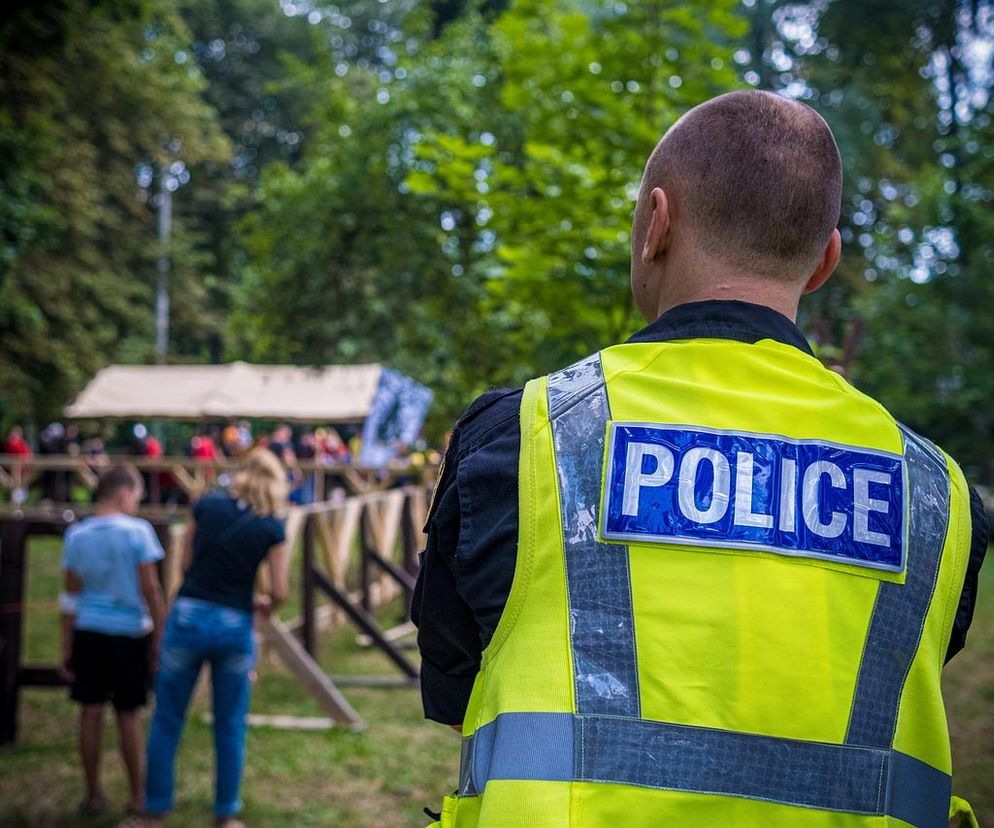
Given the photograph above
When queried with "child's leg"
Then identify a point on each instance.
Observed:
(130, 681)
(91, 720)
(91, 668)
(130, 740)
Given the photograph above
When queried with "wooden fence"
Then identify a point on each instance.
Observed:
(14, 535)
(354, 556)
(169, 476)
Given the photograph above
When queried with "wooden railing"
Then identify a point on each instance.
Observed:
(191, 477)
(14, 535)
(355, 555)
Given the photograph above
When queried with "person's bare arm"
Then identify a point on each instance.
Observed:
(67, 607)
(148, 577)
(278, 561)
(187, 560)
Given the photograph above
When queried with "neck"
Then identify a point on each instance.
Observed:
(730, 286)
(106, 508)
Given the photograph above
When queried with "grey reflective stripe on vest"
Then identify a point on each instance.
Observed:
(605, 741)
(597, 576)
(900, 609)
(562, 747)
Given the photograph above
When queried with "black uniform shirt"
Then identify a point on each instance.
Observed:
(468, 563)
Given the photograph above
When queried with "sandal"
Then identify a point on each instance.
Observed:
(88, 808)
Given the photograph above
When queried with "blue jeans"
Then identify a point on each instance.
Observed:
(197, 632)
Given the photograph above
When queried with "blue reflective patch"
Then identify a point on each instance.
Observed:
(678, 484)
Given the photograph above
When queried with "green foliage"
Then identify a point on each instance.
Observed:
(243, 49)
(473, 201)
(547, 174)
(913, 119)
(344, 263)
(86, 93)
(447, 186)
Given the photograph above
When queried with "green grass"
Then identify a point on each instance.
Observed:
(380, 777)
(968, 684)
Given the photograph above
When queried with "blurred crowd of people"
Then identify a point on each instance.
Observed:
(326, 446)
(236, 439)
(57, 439)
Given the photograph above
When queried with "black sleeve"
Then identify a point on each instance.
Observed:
(446, 636)
(468, 562)
(968, 598)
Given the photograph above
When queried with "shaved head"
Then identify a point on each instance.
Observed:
(754, 178)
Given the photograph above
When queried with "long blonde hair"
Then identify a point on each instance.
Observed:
(261, 481)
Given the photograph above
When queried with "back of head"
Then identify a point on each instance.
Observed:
(117, 477)
(261, 482)
(757, 179)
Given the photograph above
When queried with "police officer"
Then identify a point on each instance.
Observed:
(697, 578)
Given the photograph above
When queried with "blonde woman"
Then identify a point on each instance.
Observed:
(229, 536)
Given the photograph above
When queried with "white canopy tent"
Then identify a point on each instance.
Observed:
(330, 394)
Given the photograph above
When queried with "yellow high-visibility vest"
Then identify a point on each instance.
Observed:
(735, 585)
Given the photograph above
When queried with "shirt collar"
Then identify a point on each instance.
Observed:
(723, 319)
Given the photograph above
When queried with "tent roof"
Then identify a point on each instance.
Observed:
(333, 393)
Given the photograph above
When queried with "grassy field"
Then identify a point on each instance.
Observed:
(969, 691)
(383, 776)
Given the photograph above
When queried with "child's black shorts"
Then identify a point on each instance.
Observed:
(110, 668)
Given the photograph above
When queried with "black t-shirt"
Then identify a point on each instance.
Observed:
(230, 543)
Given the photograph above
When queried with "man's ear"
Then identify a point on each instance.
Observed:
(826, 265)
(658, 236)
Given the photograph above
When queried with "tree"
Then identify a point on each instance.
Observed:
(245, 51)
(345, 264)
(916, 217)
(548, 177)
(88, 92)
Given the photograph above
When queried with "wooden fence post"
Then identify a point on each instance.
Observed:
(13, 537)
(365, 539)
(410, 534)
(307, 603)
(309, 672)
